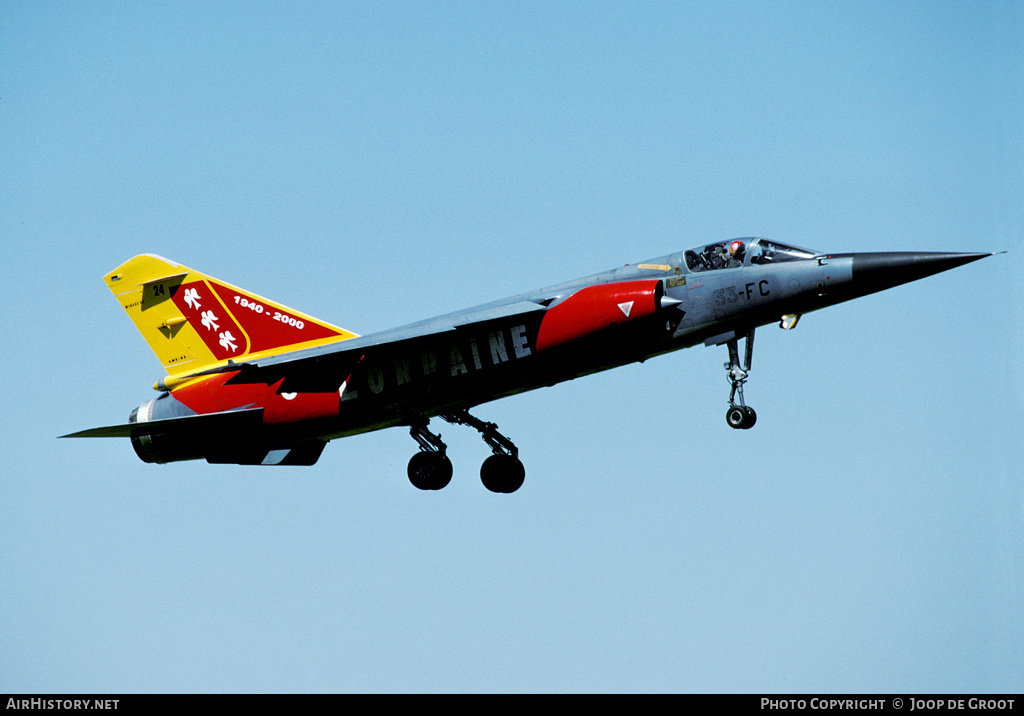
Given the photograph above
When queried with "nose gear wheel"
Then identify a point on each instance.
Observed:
(741, 417)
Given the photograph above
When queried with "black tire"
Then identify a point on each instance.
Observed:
(430, 470)
(751, 418)
(737, 417)
(502, 473)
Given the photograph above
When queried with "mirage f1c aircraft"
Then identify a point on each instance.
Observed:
(252, 382)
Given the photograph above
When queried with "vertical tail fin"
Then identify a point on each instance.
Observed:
(192, 321)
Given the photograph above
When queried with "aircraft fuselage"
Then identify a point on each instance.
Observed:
(253, 382)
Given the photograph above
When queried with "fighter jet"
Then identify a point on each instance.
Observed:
(252, 382)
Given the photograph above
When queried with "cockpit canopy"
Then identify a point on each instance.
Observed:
(743, 252)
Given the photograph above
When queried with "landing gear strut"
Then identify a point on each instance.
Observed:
(430, 468)
(502, 471)
(739, 415)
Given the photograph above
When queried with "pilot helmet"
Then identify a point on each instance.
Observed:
(736, 250)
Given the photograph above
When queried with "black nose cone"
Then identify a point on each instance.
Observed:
(878, 271)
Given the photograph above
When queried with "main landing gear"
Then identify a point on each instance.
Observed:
(739, 415)
(430, 468)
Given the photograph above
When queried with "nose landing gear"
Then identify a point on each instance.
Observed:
(739, 415)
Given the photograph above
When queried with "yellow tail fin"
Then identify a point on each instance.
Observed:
(193, 322)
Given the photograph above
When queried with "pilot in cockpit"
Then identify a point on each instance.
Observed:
(736, 253)
(717, 256)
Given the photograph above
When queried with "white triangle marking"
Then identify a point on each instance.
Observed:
(626, 308)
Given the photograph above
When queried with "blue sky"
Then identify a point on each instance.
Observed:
(378, 163)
